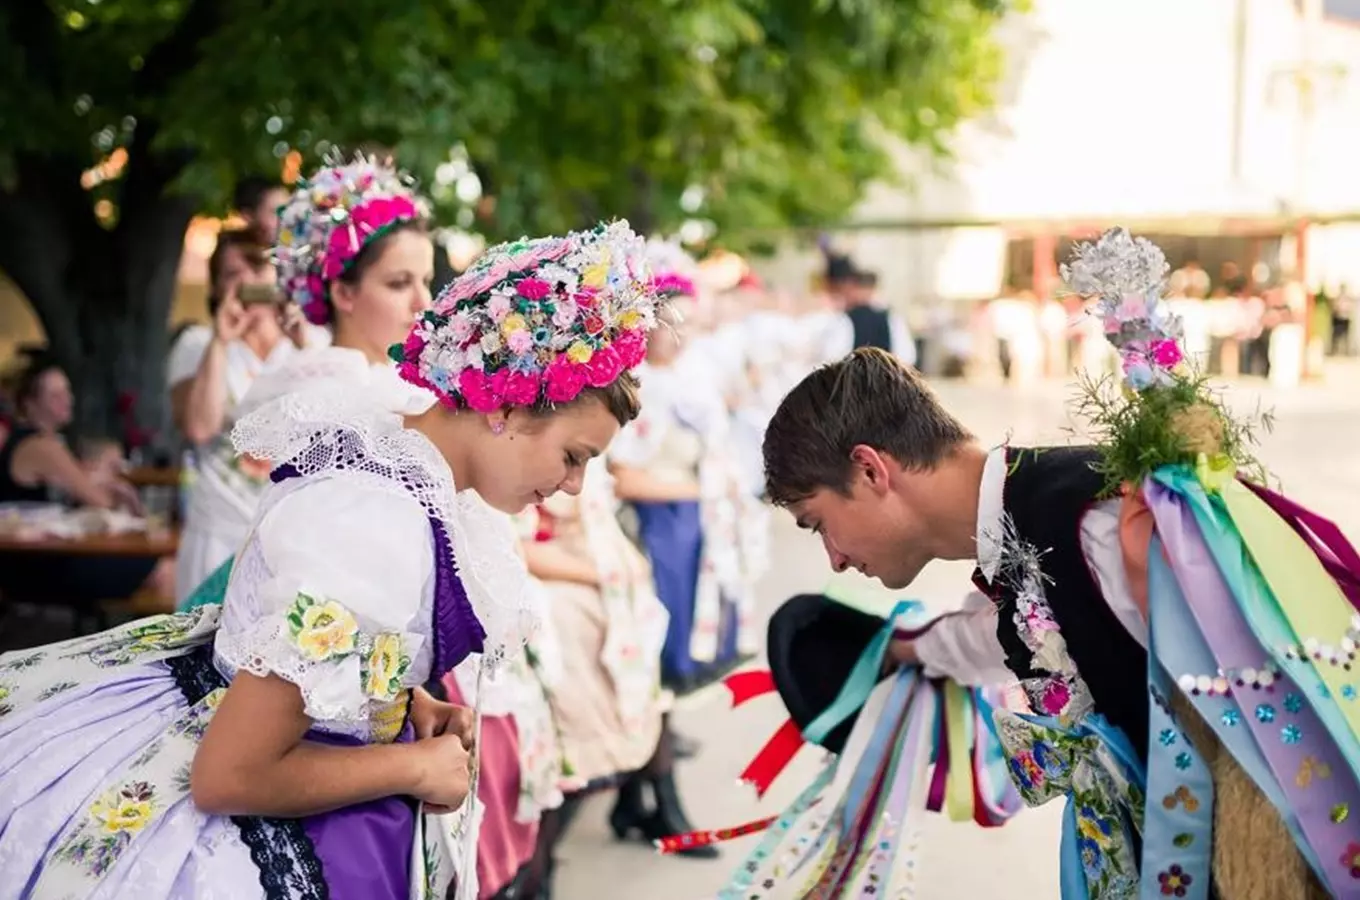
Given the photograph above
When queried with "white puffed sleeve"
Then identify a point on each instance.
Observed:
(334, 594)
(964, 646)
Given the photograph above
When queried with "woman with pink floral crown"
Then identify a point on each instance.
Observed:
(283, 744)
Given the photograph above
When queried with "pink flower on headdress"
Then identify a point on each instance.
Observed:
(520, 342)
(481, 393)
(521, 388)
(1167, 354)
(593, 324)
(604, 366)
(498, 307)
(460, 326)
(413, 345)
(631, 347)
(1055, 698)
(1132, 308)
(563, 380)
(410, 373)
(565, 314)
(533, 288)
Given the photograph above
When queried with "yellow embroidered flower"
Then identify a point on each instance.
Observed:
(128, 809)
(512, 323)
(384, 667)
(214, 698)
(580, 352)
(630, 319)
(595, 276)
(4, 693)
(1215, 472)
(321, 629)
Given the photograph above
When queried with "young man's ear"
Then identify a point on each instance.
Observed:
(871, 467)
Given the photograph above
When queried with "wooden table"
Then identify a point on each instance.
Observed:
(158, 543)
(92, 613)
(148, 476)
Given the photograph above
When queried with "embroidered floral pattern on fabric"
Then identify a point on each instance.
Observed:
(113, 820)
(384, 666)
(1061, 692)
(321, 630)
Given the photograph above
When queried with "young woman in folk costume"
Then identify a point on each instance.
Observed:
(280, 745)
(704, 534)
(1186, 637)
(353, 254)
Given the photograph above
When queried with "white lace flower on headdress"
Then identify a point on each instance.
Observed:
(1126, 274)
(536, 321)
(330, 218)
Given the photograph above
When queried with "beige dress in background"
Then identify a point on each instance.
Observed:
(606, 694)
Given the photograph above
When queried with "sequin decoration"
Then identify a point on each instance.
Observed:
(1231, 717)
(1291, 734)
(1265, 713)
(1311, 767)
(1340, 813)
(1293, 703)
(1183, 761)
(1183, 840)
(1348, 692)
(1223, 684)
(1167, 737)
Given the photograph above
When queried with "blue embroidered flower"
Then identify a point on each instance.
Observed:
(1049, 760)
(439, 377)
(1293, 703)
(1183, 761)
(1265, 713)
(1291, 734)
(1167, 737)
(1092, 860)
(1231, 717)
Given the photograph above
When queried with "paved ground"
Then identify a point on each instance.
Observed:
(1313, 451)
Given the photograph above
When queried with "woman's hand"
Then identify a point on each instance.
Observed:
(445, 775)
(432, 717)
(125, 496)
(294, 325)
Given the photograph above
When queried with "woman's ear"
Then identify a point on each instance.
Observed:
(342, 296)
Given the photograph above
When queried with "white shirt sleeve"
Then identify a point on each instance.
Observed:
(964, 646)
(344, 615)
(187, 354)
(903, 344)
(1105, 558)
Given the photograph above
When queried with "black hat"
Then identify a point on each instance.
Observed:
(813, 644)
(839, 268)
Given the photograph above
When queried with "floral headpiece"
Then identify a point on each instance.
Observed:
(1167, 414)
(673, 269)
(330, 218)
(536, 321)
(1127, 274)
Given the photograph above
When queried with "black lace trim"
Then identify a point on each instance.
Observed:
(280, 848)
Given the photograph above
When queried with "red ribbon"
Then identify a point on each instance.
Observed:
(749, 685)
(773, 758)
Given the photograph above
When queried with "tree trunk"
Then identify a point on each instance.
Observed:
(103, 296)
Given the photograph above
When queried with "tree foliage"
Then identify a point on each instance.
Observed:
(567, 111)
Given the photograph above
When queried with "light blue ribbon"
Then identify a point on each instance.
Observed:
(863, 678)
(1177, 841)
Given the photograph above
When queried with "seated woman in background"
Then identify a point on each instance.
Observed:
(37, 466)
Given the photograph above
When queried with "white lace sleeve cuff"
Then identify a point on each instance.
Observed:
(339, 660)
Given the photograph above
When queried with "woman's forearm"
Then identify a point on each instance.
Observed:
(640, 486)
(205, 405)
(549, 562)
(307, 780)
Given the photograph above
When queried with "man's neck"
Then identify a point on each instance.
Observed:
(954, 492)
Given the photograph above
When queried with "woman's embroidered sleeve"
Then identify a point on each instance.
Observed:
(339, 610)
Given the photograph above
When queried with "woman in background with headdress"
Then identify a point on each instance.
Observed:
(702, 531)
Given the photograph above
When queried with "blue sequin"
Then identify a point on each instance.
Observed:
(1167, 737)
(1348, 691)
(1290, 734)
(1293, 703)
(1183, 761)
(1265, 713)
(1231, 717)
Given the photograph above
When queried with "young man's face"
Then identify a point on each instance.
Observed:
(870, 529)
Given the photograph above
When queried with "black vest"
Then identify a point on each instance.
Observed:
(871, 327)
(1048, 491)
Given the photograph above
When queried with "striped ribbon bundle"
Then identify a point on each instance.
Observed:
(919, 745)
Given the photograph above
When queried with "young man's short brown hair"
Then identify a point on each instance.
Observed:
(869, 397)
